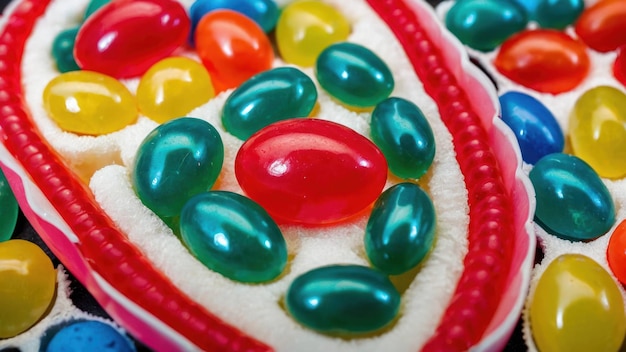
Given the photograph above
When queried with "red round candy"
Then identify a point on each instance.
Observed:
(310, 171)
(603, 26)
(619, 66)
(616, 252)
(232, 47)
(125, 37)
(545, 60)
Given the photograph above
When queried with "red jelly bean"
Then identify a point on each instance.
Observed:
(545, 60)
(232, 47)
(616, 252)
(619, 66)
(602, 26)
(310, 171)
(126, 37)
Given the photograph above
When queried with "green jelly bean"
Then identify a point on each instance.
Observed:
(8, 209)
(63, 50)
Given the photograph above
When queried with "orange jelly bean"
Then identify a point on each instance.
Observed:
(545, 60)
(602, 26)
(616, 252)
(232, 47)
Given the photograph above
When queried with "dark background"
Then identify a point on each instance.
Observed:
(84, 301)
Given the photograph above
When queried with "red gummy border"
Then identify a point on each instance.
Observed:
(111, 255)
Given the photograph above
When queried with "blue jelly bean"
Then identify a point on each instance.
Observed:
(537, 131)
(90, 335)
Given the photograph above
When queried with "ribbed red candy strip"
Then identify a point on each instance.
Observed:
(101, 243)
(476, 297)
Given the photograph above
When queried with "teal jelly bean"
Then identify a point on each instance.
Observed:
(176, 161)
(401, 229)
(343, 299)
(400, 130)
(572, 201)
(556, 14)
(268, 97)
(94, 5)
(234, 236)
(484, 24)
(63, 50)
(354, 75)
(8, 209)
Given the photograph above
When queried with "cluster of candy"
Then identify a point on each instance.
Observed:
(573, 201)
(293, 168)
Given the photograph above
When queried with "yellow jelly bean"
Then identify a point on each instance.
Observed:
(87, 102)
(173, 87)
(577, 307)
(27, 284)
(597, 130)
(305, 28)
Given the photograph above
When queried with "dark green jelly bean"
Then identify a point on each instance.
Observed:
(63, 50)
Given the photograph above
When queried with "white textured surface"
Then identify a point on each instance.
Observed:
(255, 308)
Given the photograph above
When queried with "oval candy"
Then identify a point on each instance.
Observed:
(601, 26)
(94, 5)
(63, 50)
(557, 14)
(177, 160)
(401, 131)
(310, 171)
(9, 209)
(354, 75)
(545, 60)
(88, 102)
(572, 201)
(268, 97)
(343, 299)
(619, 66)
(597, 129)
(535, 127)
(86, 335)
(401, 229)
(616, 252)
(109, 40)
(172, 88)
(577, 307)
(233, 236)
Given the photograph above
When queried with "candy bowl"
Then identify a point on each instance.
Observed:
(153, 286)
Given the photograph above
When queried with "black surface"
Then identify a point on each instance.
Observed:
(84, 301)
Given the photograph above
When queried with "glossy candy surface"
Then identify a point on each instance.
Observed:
(263, 12)
(484, 24)
(305, 28)
(28, 282)
(94, 5)
(233, 236)
(232, 47)
(619, 66)
(310, 171)
(343, 299)
(572, 201)
(87, 102)
(126, 37)
(602, 25)
(172, 88)
(8, 209)
(535, 127)
(354, 75)
(176, 161)
(63, 50)
(401, 229)
(577, 307)
(400, 130)
(88, 335)
(268, 97)
(597, 130)
(557, 14)
(616, 252)
(545, 60)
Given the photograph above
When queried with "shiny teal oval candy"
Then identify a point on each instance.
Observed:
(353, 75)
(400, 130)
(268, 97)
(94, 5)
(176, 161)
(401, 229)
(234, 236)
(8, 209)
(63, 50)
(557, 14)
(572, 201)
(484, 24)
(343, 299)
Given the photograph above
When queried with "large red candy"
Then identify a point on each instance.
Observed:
(125, 37)
(545, 60)
(603, 26)
(310, 171)
(232, 47)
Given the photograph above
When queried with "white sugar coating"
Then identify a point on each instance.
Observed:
(106, 162)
